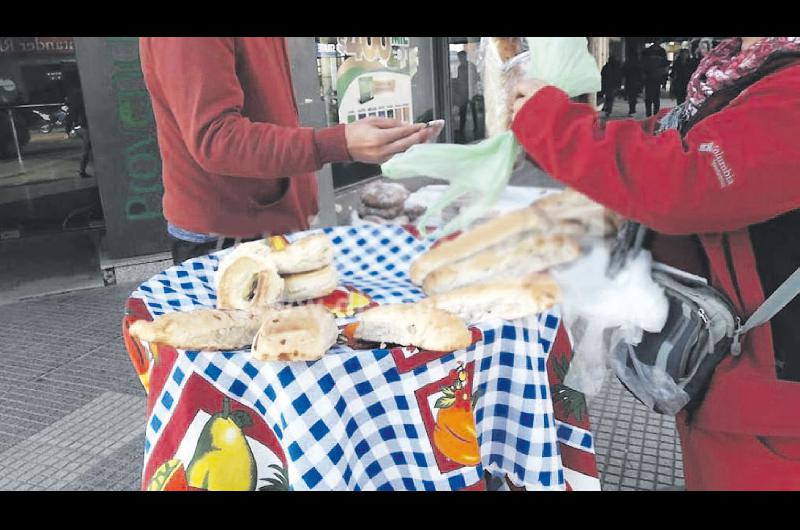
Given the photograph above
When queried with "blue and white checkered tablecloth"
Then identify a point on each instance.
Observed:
(352, 421)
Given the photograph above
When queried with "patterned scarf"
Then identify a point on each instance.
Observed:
(722, 66)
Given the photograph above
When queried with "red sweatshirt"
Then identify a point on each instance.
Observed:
(235, 160)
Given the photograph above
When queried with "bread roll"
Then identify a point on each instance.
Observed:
(503, 66)
(384, 195)
(202, 329)
(311, 253)
(310, 285)
(302, 333)
(532, 253)
(477, 239)
(248, 276)
(507, 299)
(420, 325)
(385, 213)
(573, 213)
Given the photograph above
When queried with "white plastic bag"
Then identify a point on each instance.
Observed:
(600, 311)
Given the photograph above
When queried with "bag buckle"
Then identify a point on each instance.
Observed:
(736, 345)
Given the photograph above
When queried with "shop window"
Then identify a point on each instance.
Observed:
(47, 179)
(363, 77)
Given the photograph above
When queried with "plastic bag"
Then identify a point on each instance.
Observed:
(503, 62)
(575, 72)
(466, 167)
(485, 167)
(599, 312)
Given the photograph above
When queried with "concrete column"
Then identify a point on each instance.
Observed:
(598, 47)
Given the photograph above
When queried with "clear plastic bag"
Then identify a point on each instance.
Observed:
(503, 62)
(484, 168)
(600, 312)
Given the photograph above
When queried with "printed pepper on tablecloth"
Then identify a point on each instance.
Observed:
(356, 419)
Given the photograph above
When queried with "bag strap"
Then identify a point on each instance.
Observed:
(784, 294)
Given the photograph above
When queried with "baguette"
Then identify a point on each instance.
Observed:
(573, 213)
(202, 329)
(532, 253)
(420, 325)
(302, 333)
(504, 299)
(502, 68)
(480, 238)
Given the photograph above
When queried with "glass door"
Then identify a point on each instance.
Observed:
(466, 116)
(360, 77)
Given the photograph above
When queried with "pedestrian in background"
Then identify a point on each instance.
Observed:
(632, 75)
(681, 73)
(656, 69)
(611, 76)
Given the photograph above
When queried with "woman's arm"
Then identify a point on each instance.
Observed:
(738, 167)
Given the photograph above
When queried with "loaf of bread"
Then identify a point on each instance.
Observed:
(302, 333)
(507, 299)
(503, 66)
(576, 214)
(420, 325)
(310, 285)
(513, 258)
(479, 238)
(382, 195)
(202, 329)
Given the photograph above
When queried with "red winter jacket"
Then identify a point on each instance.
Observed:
(235, 160)
(735, 169)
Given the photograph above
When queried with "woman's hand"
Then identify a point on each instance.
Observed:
(523, 91)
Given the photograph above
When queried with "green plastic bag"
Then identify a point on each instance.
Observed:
(484, 168)
(564, 62)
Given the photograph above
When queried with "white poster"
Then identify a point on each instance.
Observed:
(375, 79)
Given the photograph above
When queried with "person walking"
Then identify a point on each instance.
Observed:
(611, 76)
(632, 75)
(681, 73)
(466, 90)
(656, 68)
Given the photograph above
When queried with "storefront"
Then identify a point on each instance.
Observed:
(118, 198)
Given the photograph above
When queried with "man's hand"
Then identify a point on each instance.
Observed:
(376, 140)
(523, 91)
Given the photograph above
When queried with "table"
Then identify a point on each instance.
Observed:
(494, 415)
